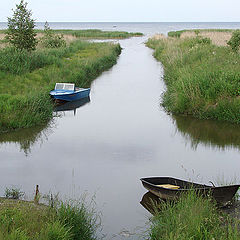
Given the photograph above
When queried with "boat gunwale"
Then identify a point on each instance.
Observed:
(53, 92)
(207, 187)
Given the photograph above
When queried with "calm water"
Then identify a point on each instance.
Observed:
(107, 144)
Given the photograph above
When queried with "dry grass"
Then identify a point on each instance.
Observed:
(68, 38)
(159, 36)
(218, 38)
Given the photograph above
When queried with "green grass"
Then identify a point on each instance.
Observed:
(177, 34)
(98, 34)
(203, 80)
(192, 217)
(27, 78)
(20, 220)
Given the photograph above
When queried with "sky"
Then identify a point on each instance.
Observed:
(128, 10)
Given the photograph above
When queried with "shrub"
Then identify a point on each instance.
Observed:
(13, 193)
(51, 40)
(234, 42)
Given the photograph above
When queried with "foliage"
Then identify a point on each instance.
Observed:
(192, 217)
(234, 42)
(20, 31)
(13, 193)
(202, 79)
(50, 39)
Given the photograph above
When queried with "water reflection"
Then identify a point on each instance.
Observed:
(211, 133)
(72, 106)
(152, 203)
(26, 138)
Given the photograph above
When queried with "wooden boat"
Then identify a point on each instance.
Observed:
(68, 92)
(171, 188)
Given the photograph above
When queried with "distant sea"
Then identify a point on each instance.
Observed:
(148, 28)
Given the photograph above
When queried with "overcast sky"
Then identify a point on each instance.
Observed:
(128, 10)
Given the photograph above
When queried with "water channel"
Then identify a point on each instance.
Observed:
(104, 147)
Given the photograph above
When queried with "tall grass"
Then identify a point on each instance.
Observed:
(202, 79)
(27, 79)
(20, 220)
(192, 217)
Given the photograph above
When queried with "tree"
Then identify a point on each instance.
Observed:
(20, 32)
(50, 39)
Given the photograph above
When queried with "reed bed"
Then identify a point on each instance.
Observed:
(202, 79)
(192, 217)
(99, 34)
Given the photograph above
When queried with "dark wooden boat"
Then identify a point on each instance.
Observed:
(171, 188)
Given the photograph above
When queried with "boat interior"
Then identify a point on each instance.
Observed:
(172, 183)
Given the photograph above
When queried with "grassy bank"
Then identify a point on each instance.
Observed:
(20, 220)
(202, 79)
(192, 217)
(27, 78)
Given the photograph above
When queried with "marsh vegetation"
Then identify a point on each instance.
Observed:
(202, 78)
(192, 217)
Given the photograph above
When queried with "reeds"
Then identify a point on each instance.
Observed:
(202, 79)
(72, 220)
(99, 34)
(192, 217)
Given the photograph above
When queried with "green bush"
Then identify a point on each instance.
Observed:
(50, 39)
(234, 42)
(13, 193)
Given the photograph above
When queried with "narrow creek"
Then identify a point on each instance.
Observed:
(105, 146)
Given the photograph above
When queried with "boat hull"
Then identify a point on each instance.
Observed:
(73, 96)
(222, 195)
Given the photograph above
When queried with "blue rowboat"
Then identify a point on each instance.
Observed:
(68, 92)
